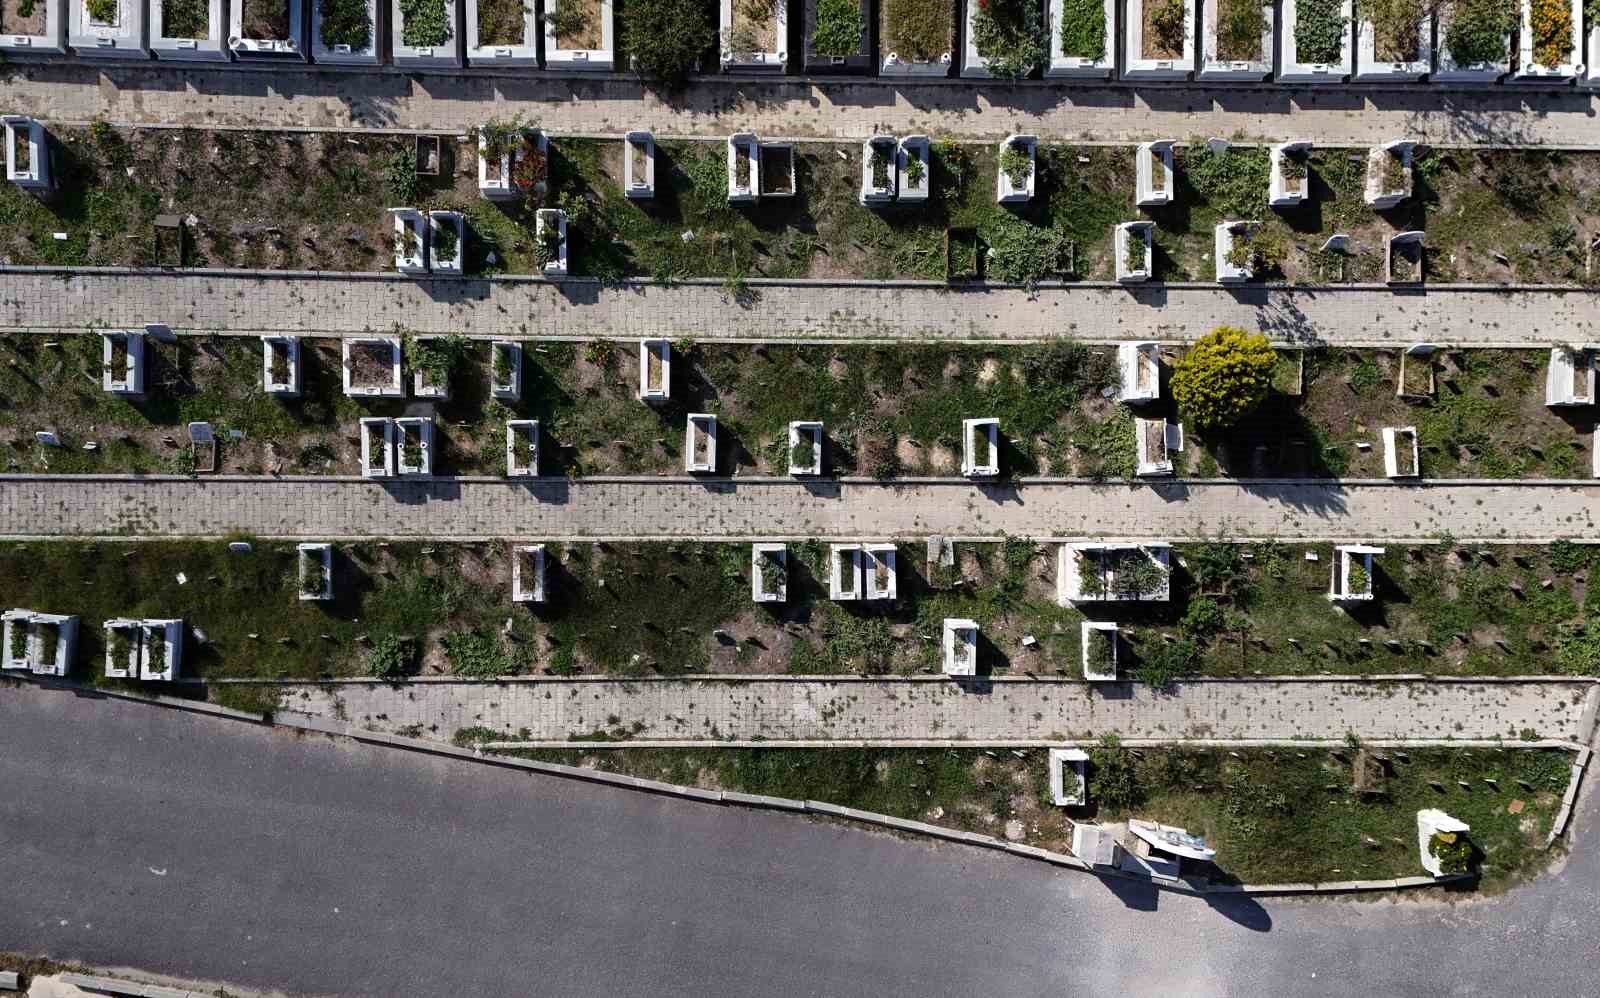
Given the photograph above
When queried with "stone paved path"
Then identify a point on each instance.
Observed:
(54, 303)
(900, 710)
(555, 509)
(1337, 115)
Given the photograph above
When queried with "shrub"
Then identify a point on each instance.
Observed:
(1395, 27)
(1011, 36)
(838, 29)
(391, 656)
(104, 11)
(1552, 31)
(345, 22)
(1165, 663)
(1578, 649)
(400, 176)
(1478, 28)
(1116, 784)
(1234, 183)
(1239, 27)
(918, 29)
(1452, 850)
(1083, 29)
(1319, 31)
(476, 653)
(1225, 375)
(426, 23)
(1203, 618)
(1167, 19)
(185, 18)
(666, 37)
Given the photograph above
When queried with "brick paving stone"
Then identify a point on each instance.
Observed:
(251, 303)
(655, 508)
(1348, 115)
(980, 713)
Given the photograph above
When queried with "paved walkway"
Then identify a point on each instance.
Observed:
(330, 305)
(554, 509)
(1332, 115)
(896, 710)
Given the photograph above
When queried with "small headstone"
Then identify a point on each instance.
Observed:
(90, 445)
(160, 331)
(1216, 146)
(1493, 784)
(239, 547)
(1312, 556)
(235, 434)
(183, 579)
(1463, 784)
(48, 438)
(1028, 641)
(200, 636)
(1337, 243)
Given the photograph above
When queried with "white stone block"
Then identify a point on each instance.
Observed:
(123, 36)
(769, 573)
(1403, 258)
(280, 365)
(522, 50)
(805, 433)
(960, 647)
(655, 370)
(1213, 67)
(376, 378)
(744, 148)
(124, 639)
(1140, 366)
(27, 152)
(527, 573)
(211, 48)
(1530, 70)
(1085, 66)
(1299, 68)
(1007, 190)
(51, 38)
(343, 54)
(700, 443)
(129, 380)
(1351, 578)
(410, 241)
(290, 45)
(426, 53)
(315, 571)
(1135, 251)
(980, 447)
(1138, 64)
(1089, 572)
(1156, 440)
(514, 167)
(844, 572)
(1431, 822)
(878, 153)
(601, 58)
(1388, 178)
(1285, 191)
(639, 165)
(377, 447)
(1569, 379)
(1371, 69)
(160, 650)
(442, 257)
(1153, 172)
(548, 221)
(505, 370)
(1098, 642)
(522, 448)
(413, 445)
(44, 644)
(914, 149)
(1069, 779)
(878, 571)
(1401, 457)
(772, 59)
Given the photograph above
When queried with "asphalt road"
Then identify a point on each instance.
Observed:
(201, 848)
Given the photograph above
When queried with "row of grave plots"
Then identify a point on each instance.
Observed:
(506, 199)
(405, 401)
(1101, 610)
(1297, 41)
(570, 35)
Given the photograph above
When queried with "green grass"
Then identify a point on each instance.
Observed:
(1275, 816)
(1282, 816)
